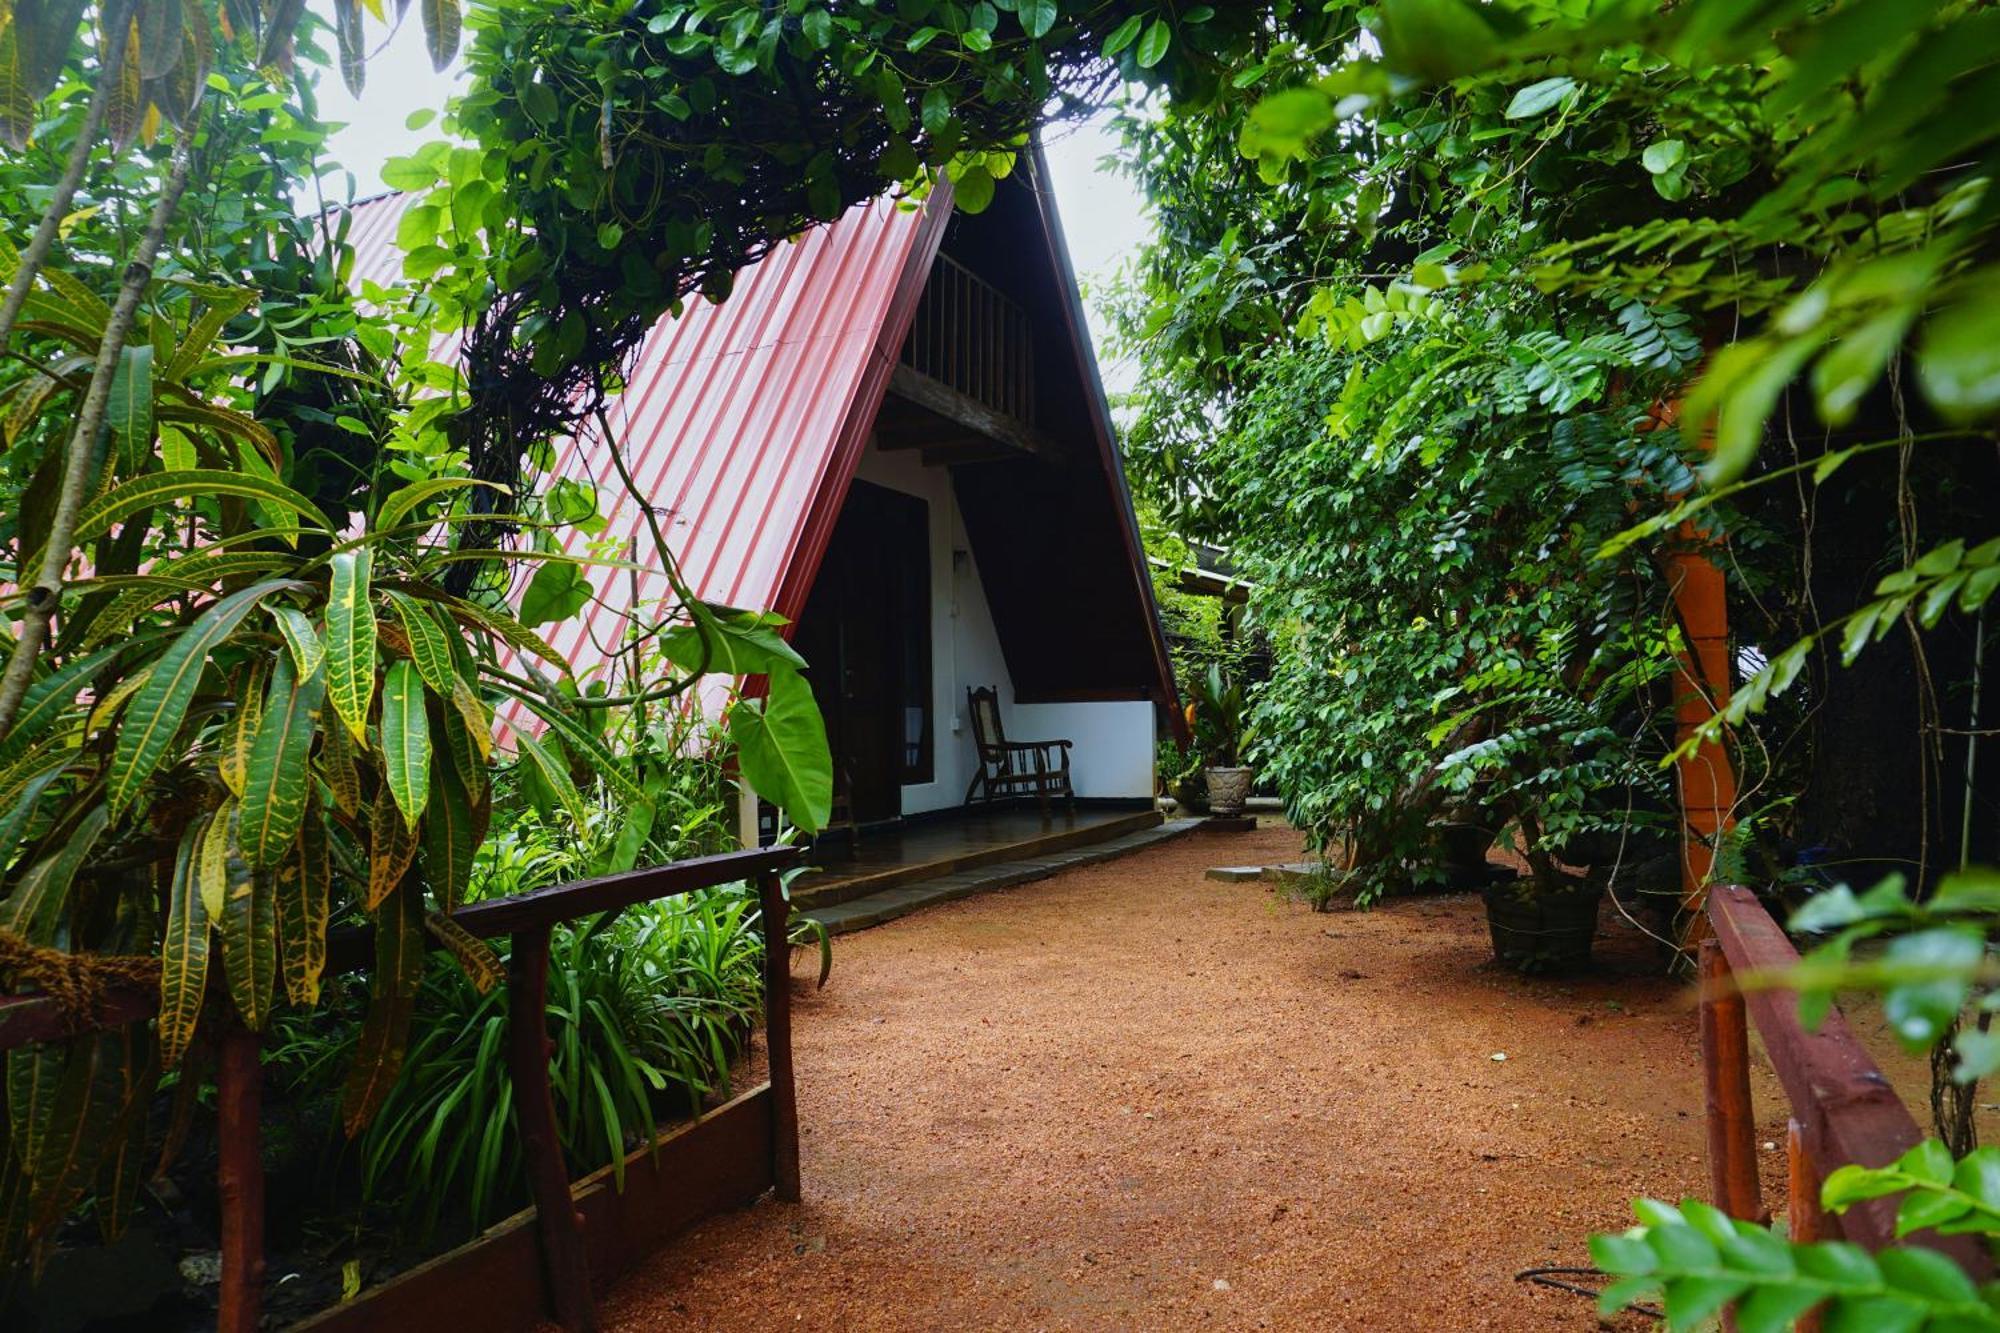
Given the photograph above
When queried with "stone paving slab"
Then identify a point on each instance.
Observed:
(876, 908)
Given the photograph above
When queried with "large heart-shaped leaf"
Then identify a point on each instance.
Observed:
(781, 748)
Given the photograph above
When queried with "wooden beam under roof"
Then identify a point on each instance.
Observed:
(993, 428)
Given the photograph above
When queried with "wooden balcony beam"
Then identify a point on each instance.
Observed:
(965, 411)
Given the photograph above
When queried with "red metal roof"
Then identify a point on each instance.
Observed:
(735, 414)
(743, 422)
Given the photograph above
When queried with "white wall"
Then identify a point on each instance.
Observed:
(1114, 747)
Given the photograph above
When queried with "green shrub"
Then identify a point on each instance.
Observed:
(647, 1012)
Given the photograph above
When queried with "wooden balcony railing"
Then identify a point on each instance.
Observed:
(528, 919)
(971, 337)
(1842, 1107)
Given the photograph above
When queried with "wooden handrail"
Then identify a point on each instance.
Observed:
(611, 893)
(529, 918)
(1843, 1109)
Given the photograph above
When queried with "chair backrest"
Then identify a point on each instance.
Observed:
(984, 705)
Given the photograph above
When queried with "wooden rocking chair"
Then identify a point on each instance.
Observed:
(1014, 768)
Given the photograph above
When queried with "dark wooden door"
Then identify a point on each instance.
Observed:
(851, 636)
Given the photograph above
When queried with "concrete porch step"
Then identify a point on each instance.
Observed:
(900, 900)
(940, 849)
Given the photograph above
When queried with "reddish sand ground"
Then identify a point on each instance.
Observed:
(1132, 1098)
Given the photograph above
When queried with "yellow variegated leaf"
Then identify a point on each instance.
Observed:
(23, 784)
(90, 309)
(274, 795)
(33, 908)
(93, 1094)
(453, 830)
(301, 638)
(114, 699)
(26, 405)
(233, 758)
(350, 640)
(122, 115)
(216, 862)
(160, 488)
(226, 422)
(126, 1164)
(555, 775)
(250, 945)
(441, 25)
(477, 717)
(205, 329)
(385, 1033)
(157, 710)
(397, 509)
(169, 578)
(336, 765)
(50, 699)
(391, 848)
(348, 39)
(467, 760)
(429, 648)
(589, 750)
(507, 629)
(483, 967)
(184, 950)
(406, 740)
(305, 879)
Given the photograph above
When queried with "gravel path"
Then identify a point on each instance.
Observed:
(1130, 1098)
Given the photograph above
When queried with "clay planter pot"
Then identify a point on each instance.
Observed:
(1228, 790)
(1536, 929)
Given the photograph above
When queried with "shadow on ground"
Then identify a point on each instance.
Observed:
(1131, 1098)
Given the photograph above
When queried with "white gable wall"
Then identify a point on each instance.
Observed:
(1113, 755)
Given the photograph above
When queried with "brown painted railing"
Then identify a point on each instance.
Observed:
(967, 334)
(1842, 1107)
(529, 919)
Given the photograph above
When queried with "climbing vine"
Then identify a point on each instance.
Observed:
(1507, 229)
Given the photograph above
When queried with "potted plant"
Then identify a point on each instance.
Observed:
(1545, 921)
(1219, 717)
(1544, 753)
(1464, 838)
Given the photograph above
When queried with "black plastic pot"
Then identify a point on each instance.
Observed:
(1542, 930)
(1464, 848)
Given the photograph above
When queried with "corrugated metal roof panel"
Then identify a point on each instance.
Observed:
(731, 416)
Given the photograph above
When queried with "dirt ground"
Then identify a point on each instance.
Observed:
(1132, 1098)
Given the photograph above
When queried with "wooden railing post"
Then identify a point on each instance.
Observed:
(1725, 1063)
(565, 1265)
(239, 1179)
(1806, 1220)
(778, 1036)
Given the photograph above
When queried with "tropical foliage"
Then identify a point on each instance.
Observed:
(1435, 266)
(250, 695)
(646, 1015)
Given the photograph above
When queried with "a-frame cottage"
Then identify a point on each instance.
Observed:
(893, 434)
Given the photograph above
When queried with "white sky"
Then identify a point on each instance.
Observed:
(1101, 212)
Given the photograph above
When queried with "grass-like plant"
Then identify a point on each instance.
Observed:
(647, 1011)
